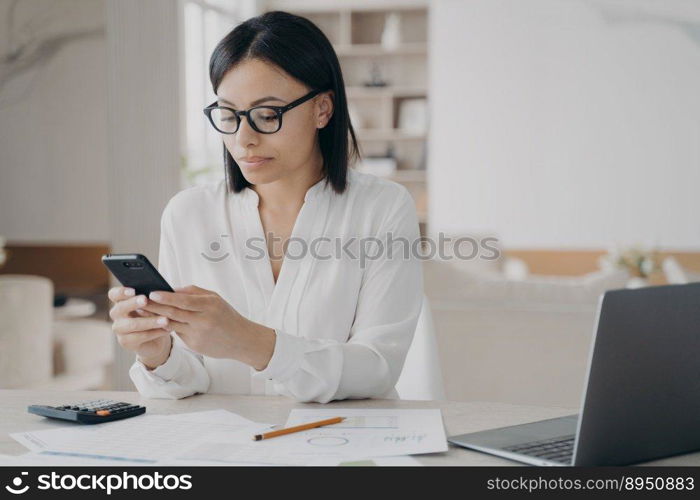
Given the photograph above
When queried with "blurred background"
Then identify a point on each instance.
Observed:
(566, 130)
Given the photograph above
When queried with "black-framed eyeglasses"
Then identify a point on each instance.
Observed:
(263, 119)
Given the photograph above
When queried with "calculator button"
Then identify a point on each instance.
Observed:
(103, 413)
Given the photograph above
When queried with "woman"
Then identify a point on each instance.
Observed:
(333, 317)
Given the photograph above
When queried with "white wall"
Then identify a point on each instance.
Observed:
(144, 92)
(90, 132)
(566, 123)
(53, 135)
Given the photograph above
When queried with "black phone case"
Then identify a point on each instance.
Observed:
(136, 271)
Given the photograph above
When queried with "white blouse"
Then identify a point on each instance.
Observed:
(343, 323)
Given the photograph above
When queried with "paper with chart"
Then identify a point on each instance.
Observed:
(364, 434)
(48, 458)
(376, 433)
(145, 439)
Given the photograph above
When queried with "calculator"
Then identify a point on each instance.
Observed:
(89, 412)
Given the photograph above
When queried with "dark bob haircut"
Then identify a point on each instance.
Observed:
(300, 48)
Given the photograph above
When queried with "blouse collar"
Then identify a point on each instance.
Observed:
(250, 197)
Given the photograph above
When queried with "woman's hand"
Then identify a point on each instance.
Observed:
(137, 330)
(210, 326)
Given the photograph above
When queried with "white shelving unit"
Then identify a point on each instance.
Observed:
(355, 30)
(376, 50)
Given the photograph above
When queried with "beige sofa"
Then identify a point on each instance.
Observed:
(520, 342)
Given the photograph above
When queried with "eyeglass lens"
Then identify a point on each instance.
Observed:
(264, 119)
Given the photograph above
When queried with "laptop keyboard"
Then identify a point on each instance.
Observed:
(559, 449)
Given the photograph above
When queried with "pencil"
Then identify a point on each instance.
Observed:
(298, 428)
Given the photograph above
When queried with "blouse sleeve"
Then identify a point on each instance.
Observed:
(183, 373)
(388, 306)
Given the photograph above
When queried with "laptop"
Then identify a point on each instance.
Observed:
(641, 396)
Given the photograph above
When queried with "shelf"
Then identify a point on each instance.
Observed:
(356, 30)
(360, 92)
(388, 135)
(310, 6)
(378, 50)
(408, 176)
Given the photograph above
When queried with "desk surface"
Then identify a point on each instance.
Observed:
(458, 417)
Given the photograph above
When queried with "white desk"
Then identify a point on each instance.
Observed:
(458, 417)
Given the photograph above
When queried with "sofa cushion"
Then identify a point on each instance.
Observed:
(446, 283)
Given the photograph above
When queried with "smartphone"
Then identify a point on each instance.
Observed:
(135, 271)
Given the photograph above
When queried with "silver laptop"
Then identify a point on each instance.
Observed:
(641, 396)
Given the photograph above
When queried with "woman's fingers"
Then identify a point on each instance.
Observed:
(140, 313)
(129, 324)
(132, 341)
(122, 308)
(174, 313)
(137, 330)
(118, 293)
(187, 301)
(181, 328)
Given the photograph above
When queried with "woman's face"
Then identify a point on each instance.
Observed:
(292, 151)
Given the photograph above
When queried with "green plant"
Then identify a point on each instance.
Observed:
(640, 262)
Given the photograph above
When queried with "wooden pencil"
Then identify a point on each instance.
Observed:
(298, 428)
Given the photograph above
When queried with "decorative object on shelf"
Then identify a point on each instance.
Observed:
(391, 36)
(640, 262)
(376, 79)
(413, 115)
(675, 274)
(381, 166)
